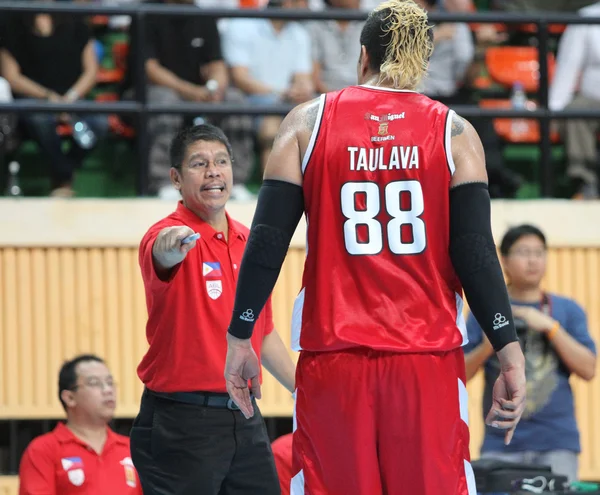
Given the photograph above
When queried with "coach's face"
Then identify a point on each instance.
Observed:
(206, 176)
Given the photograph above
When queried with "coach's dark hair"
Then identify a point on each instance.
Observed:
(515, 233)
(399, 40)
(190, 135)
(67, 376)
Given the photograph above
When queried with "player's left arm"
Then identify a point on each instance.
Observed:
(279, 208)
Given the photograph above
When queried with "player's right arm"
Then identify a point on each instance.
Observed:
(475, 260)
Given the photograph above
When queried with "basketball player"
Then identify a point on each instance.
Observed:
(394, 189)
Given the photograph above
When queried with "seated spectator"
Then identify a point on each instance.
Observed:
(270, 62)
(578, 64)
(282, 453)
(452, 55)
(335, 45)
(554, 336)
(82, 455)
(52, 58)
(185, 64)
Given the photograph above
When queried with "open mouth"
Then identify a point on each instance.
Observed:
(214, 188)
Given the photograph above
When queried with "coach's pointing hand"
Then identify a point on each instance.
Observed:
(172, 246)
(242, 365)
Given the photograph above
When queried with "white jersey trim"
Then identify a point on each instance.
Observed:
(315, 133)
(394, 90)
(448, 142)
(297, 321)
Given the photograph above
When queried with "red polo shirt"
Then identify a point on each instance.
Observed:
(59, 463)
(188, 314)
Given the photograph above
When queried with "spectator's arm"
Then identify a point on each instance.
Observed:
(242, 79)
(464, 51)
(87, 80)
(19, 83)
(302, 88)
(478, 350)
(320, 86)
(218, 71)
(317, 57)
(574, 345)
(160, 75)
(36, 471)
(569, 62)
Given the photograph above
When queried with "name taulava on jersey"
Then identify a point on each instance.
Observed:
(372, 159)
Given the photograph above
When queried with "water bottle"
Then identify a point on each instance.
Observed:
(518, 102)
(12, 188)
(83, 135)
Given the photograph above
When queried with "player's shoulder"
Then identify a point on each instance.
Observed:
(566, 302)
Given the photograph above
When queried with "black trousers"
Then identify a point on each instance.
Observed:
(188, 449)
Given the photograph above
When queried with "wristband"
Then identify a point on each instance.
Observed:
(552, 332)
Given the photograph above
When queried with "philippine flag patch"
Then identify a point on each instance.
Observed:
(211, 269)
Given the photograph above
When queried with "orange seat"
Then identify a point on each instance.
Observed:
(110, 76)
(516, 130)
(107, 97)
(100, 20)
(552, 28)
(511, 64)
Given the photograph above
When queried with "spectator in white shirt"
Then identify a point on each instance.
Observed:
(578, 61)
(270, 62)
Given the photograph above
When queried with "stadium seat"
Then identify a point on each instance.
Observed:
(510, 64)
(555, 29)
(516, 130)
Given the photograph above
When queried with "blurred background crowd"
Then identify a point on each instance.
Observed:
(266, 62)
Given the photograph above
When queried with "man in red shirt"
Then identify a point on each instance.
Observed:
(82, 455)
(189, 437)
(394, 188)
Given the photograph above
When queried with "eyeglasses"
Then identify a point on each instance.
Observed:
(98, 383)
(529, 253)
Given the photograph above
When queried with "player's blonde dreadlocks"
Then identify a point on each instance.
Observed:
(399, 41)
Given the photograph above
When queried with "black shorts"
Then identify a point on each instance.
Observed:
(187, 449)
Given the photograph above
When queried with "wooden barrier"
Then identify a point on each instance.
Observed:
(9, 485)
(84, 294)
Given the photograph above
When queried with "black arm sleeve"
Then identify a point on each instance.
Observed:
(475, 261)
(279, 209)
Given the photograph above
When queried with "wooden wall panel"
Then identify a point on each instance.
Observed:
(9, 485)
(57, 302)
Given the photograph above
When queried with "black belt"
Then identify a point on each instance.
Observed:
(206, 399)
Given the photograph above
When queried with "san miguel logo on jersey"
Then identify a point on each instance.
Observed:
(74, 468)
(211, 269)
(384, 123)
(130, 478)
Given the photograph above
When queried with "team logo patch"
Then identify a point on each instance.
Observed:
(74, 468)
(383, 129)
(211, 269)
(130, 478)
(214, 288)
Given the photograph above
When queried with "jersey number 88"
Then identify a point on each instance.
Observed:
(399, 217)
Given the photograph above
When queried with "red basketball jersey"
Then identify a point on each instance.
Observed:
(378, 273)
